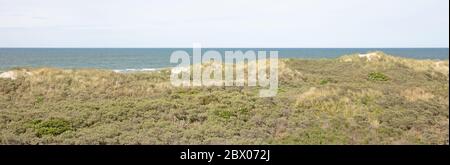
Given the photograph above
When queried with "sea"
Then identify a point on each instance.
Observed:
(147, 59)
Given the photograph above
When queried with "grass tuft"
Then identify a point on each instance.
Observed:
(377, 76)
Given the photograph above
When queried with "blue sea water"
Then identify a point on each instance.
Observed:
(123, 59)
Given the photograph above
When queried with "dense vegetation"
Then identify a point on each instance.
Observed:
(348, 100)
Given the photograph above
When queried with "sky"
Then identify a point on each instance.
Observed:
(231, 23)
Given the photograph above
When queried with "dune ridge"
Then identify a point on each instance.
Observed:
(354, 99)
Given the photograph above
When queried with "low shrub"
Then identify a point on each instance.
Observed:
(377, 76)
(51, 127)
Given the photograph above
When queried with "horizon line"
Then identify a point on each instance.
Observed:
(224, 47)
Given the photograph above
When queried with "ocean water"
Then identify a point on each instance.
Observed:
(132, 59)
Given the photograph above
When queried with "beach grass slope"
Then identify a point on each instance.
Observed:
(355, 99)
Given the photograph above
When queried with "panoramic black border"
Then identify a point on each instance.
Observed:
(278, 153)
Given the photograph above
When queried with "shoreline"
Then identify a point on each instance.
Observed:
(133, 70)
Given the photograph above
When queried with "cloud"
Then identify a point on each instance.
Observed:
(234, 23)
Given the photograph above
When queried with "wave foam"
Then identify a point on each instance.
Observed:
(135, 70)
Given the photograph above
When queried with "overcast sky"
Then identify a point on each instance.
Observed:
(230, 23)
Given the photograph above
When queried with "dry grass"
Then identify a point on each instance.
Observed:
(415, 94)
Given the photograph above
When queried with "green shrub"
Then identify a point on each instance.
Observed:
(326, 81)
(51, 127)
(224, 114)
(39, 100)
(207, 99)
(377, 76)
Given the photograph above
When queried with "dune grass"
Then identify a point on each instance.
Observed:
(348, 100)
